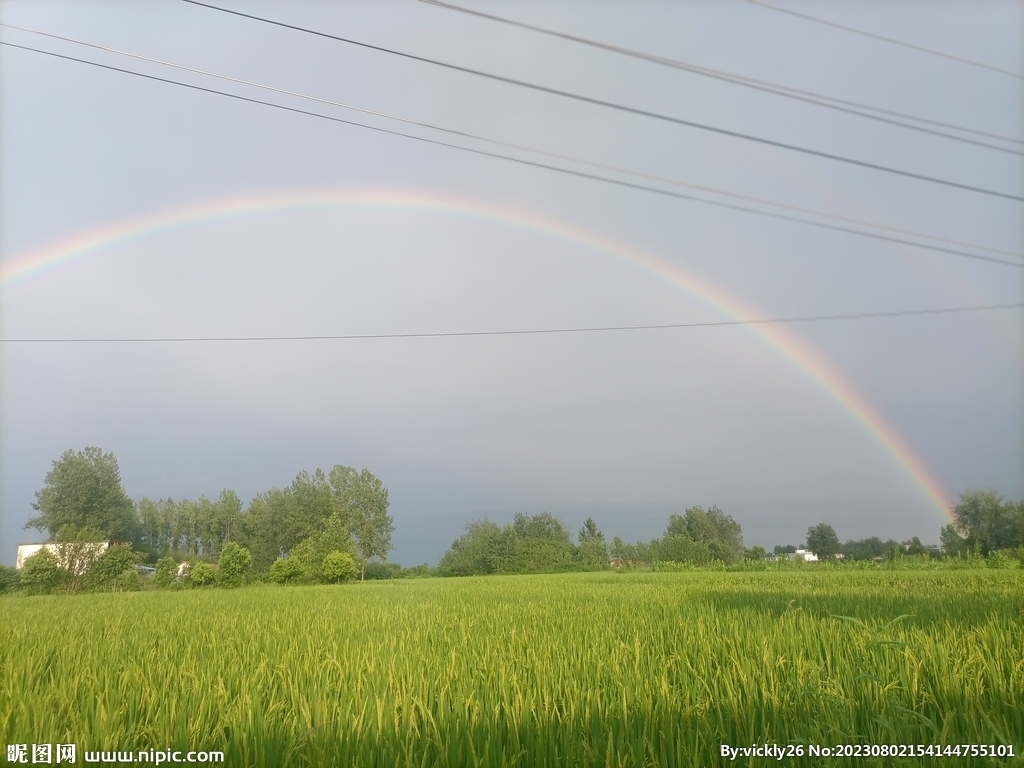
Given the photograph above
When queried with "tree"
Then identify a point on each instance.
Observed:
(234, 564)
(202, 574)
(364, 499)
(718, 532)
(339, 566)
(41, 573)
(984, 520)
(166, 572)
(285, 570)
(104, 573)
(822, 540)
(9, 578)
(77, 550)
(84, 489)
(309, 554)
(756, 552)
(592, 551)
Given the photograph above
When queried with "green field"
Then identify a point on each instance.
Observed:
(600, 669)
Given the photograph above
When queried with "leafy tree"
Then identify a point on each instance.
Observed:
(543, 526)
(309, 554)
(280, 519)
(166, 572)
(473, 552)
(592, 552)
(103, 574)
(986, 522)
(866, 549)
(283, 571)
(9, 578)
(77, 550)
(784, 549)
(202, 574)
(364, 499)
(717, 531)
(234, 564)
(822, 540)
(756, 552)
(84, 489)
(339, 566)
(680, 548)
(41, 574)
(953, 543)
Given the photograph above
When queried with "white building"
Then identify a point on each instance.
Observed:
(26, 551)
(804, 554)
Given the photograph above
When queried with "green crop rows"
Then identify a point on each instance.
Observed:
(575, 669)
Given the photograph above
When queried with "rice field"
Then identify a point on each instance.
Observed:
(609, 669)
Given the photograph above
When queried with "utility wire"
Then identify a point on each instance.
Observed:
(932, 51)
(523, 161)
(625, 108)
(559, 156)
(529, 332)
(810, 97)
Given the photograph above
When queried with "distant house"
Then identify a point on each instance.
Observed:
(26, 551)
(617, 562)
(804, 554)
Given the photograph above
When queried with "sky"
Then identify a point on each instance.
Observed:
(134, 208)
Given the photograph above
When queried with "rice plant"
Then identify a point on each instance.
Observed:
(604, 669)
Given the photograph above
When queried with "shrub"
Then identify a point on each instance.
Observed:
(234, 563)
(202, 574)
(283, 571)
(109, 566)
(9, 578)
(40, 573)
(339, 566)
(166, 572)
(126, 581)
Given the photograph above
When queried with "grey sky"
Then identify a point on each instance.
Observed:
(622, 426)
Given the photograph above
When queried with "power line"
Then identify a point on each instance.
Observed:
(810, 97)
(932, 51)
(529, 332)
(625, 108)
(530, 163)
(545, 153)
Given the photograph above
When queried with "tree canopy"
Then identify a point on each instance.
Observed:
(83, 489)
(822, 540)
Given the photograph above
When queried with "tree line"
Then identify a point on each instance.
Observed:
(84, 501)
(334, 526)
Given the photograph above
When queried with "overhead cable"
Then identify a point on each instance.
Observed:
(846, 28)
(526, 162)
(625, 108)
(809, 97)
(527, 332)
(511, 145)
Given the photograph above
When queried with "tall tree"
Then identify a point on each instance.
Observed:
(364, 499)
(822, 540)
(986, 522)
(84, 489)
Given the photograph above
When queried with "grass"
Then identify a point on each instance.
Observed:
(573, 669)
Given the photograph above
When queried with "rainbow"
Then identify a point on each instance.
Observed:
(780, 339)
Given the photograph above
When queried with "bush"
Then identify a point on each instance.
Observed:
(109, 566)
(234, 564)
(283, 571)
(339, 566)
(379, 571)
(166, 572)
(127, 581)
(202, 574)
(9, 578)
(40, 573)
